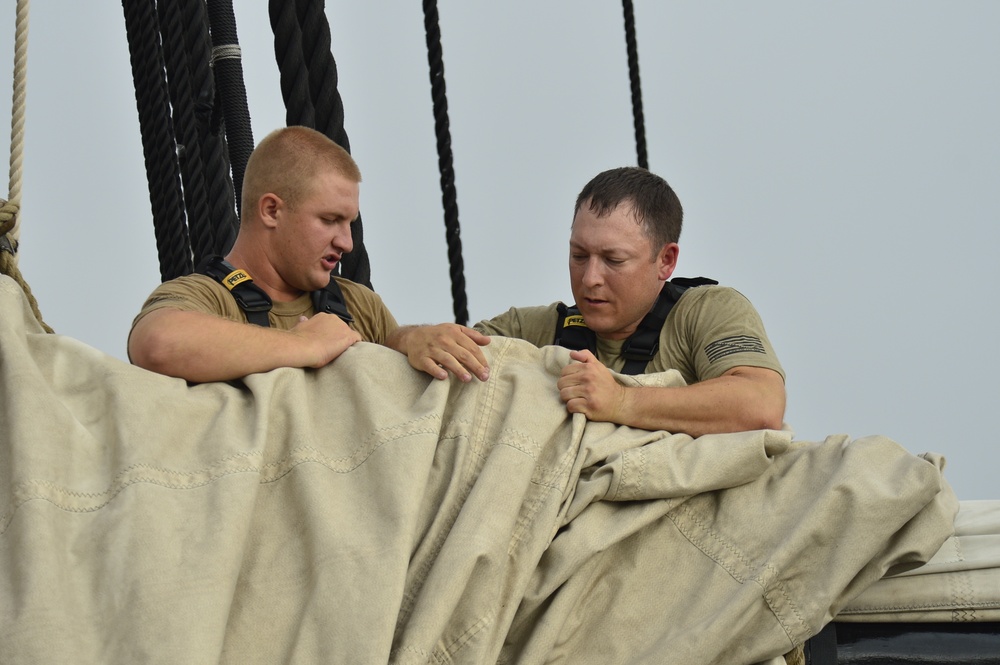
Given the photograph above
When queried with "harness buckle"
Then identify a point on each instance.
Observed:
(634, 349)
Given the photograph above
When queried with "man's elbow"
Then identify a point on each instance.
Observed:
(148, 349)
(769, 421)
(763, 403)
(762, 412)
(752, 419)
(768, 414)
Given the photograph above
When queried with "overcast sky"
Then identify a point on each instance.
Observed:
(838, 164)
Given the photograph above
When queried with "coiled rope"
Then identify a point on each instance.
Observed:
(449, 197)
(175, 20)
(633, 75)
(212, 133)
(159, 148)
(308, 76)
(228, 67)
(182, 127)
(208, 190)
(10, 218)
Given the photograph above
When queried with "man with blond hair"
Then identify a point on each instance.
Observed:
(300, 196)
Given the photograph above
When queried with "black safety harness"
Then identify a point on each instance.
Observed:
(255, 303)
(641, 347)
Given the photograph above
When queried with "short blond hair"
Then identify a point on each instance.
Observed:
(286, 160)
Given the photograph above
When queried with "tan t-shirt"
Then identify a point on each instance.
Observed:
(710, 330)
(200, 293)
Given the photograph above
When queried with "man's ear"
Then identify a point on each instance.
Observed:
(667, 260)
(268, 207)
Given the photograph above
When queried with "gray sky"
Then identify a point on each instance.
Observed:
(838, 165)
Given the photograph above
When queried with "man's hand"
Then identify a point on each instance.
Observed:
(327, 335)
(742, 399)
(443, 348)
(588, 387)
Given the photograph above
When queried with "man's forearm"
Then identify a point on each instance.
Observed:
(744, 399)
(200, 347)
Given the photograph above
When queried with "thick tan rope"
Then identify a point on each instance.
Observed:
(796, 656)
(10, 226)
(12, 206)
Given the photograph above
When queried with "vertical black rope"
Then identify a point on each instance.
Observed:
(294, 75)
(175, 19)
(633, 75)
(183, 126)
(222, 196)
(209, 130)
(323, 77)
(449, 197)
(308, 75)
(228, 69)
(329, 112)
(158, 145)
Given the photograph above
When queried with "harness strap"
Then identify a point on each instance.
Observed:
(571, 330)
(255, 303)
(642, 346)
(252, 299)
(331, 300)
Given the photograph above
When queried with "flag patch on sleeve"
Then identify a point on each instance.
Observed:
(730, 345)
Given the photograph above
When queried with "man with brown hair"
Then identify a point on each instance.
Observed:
(622, 250)
(300, 196)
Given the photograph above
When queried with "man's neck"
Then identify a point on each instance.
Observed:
(262, 272)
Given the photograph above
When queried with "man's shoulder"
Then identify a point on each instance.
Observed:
(708, 307)
(194, 292)
(195, 280)
(526, 314)
(372, 317)
(535, 324)
(186, 287)
(347, 285)
(716, 328)
(712, 296)
(532, 311)
(358, 296)
(357, 291)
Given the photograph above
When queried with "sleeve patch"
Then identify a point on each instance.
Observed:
(730, 345)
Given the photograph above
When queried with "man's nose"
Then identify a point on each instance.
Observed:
(593, 275)
(343, 240)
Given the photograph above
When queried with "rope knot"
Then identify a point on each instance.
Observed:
(8, 219)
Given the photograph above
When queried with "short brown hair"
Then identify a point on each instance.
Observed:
(654, 204)
(286, 160)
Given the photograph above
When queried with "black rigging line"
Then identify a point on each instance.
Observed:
(187, 161)
(449, 197)
(173, 22)
(633, 75)
(237, 144)
(309, 89)
(158, 145)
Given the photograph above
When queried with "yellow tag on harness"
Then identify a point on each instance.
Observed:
(235, 278)
(575, 320)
